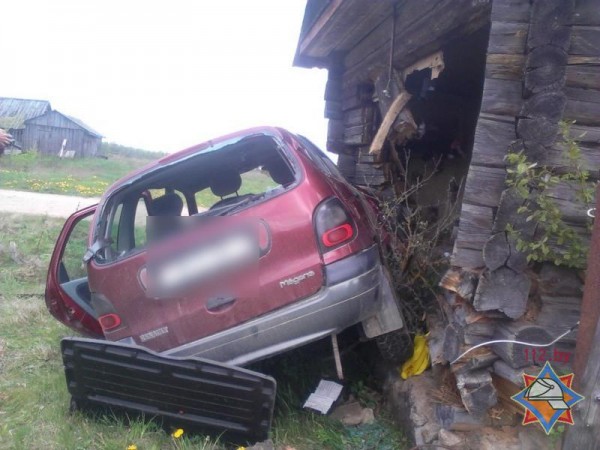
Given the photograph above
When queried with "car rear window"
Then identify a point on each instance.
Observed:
(212, 183)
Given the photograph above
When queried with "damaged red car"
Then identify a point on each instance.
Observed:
(233, 250)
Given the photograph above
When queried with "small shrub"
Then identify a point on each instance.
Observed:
(555, 241)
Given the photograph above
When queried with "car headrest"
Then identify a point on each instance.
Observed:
(167, 205)
(280, 172)
(226, 182)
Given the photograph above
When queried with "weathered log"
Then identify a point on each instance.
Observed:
(467, 258)
(493, 136)
(484, 186)
(453, 341)
(551, 14)
(496, 251)
(335, 130)
(511, 11)
(537, 133)
(455, 418)
(475, 226)
(583, 76)
(481, 358)
(583, 105)
(515, 376)
(347, 166)
(476, 391)
(585, 40)
(384, 129)
(549, 105)
(546, 69)
(586, 13)
(518, 355)
(504, 67)
(510, 201)
(507, 37)
(369, 175)
(558, 314)
(502, 97)
(333, 110)
(504, 290)
(559, 281)
(460, 282)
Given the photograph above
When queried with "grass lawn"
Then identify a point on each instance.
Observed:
(34, 403)
(87, 177)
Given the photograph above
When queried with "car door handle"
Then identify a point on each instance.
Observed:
(218, 303)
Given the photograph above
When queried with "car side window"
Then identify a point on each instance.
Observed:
(128, 227)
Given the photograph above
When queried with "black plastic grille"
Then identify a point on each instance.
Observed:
(194, 393)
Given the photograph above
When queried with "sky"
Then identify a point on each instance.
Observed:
(163, 75)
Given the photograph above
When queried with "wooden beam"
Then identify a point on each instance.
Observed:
(397, 106)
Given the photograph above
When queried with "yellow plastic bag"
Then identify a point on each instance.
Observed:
(419, 361)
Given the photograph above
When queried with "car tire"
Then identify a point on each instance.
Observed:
(395, 347)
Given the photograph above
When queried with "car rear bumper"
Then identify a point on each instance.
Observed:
(352, 294)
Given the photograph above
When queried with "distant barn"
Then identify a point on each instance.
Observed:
(34, 125)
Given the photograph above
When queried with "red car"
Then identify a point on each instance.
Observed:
(287, 253)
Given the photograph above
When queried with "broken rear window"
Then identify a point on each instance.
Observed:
(216, 182)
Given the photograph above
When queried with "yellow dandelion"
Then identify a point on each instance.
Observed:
(132, 447)
(177, 433)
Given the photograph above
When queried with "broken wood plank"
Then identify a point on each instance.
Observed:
(504, 290)
(384, 129)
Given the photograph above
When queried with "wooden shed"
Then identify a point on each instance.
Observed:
(15, 111)
(55, 133)
(443, 90)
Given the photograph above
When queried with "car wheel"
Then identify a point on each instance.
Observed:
(395, 346)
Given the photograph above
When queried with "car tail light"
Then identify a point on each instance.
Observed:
(109, 321)
(333, 225)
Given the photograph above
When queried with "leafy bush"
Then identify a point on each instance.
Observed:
(555, 240)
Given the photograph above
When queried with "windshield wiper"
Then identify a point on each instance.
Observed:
(227, 209)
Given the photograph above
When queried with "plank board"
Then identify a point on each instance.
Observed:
(484, 186)
(502, 97)
(504, 66)
(585, 40)
(493, 136)
(583, 106)
(508, 37)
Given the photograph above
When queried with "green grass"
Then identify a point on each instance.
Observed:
(87, 177)
(34, 402)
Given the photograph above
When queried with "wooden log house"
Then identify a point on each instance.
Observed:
(479, 78)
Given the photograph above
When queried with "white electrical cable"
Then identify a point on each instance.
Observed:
(509, 341)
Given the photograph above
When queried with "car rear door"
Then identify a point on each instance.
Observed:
(67, 294)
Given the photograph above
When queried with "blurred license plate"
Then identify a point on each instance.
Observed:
(211, 260)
